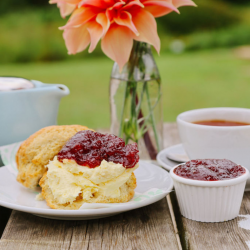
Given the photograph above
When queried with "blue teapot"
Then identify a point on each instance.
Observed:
(27, 106)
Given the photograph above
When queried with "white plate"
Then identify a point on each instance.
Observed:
(13, 195)
(164, 155)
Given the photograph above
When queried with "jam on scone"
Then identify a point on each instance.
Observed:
(90, 148)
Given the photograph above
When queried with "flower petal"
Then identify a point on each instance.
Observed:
(147, 28)
(117, 44)
(125, 19)
(102, 19)
(80, 16)
(65, 8)
(113, 10)
(76, 39)
(103, 4)
(96, 32)
(160, 8)
(179, 3)
(132, 4)
(65, 1)
(116, 22)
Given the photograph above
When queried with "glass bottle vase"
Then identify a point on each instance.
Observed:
(135, 101)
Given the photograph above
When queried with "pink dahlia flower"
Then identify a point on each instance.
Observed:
(115, 22)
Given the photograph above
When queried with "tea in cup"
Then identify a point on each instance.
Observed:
(218, 133)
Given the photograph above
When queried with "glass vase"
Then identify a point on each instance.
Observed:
(135, 101)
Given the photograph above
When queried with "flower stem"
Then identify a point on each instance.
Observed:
(123, 107)
(152, 119)
(136, 125)
(147, 140)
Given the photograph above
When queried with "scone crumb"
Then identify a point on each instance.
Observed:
(39, 197)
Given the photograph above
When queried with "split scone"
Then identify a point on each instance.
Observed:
(91, 168)
(39, 149)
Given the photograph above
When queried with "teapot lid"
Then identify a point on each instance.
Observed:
(15, 83)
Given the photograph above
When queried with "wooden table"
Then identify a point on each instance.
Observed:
(157, 226)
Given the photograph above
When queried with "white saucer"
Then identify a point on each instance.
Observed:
(13, 195)
(176, 153)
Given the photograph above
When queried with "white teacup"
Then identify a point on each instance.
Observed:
(218, 142)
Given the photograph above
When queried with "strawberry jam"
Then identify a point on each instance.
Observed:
(210, 170)
(89, 148)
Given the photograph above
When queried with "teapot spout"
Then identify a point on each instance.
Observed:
(58, 89)
(62, 89)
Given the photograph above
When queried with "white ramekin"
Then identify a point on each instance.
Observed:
(209, 201)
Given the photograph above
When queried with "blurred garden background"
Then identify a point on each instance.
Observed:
(204, 59)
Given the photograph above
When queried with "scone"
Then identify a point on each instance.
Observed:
(39, 149)
(92, 168)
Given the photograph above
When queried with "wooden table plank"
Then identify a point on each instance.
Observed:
(4, 212)
(217, 236)
(4, 217)
(171, 135)
(26, 231)
(145, 228)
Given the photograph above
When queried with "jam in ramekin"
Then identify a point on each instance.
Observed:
(210, 170)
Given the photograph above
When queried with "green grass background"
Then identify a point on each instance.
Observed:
(214, 78)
